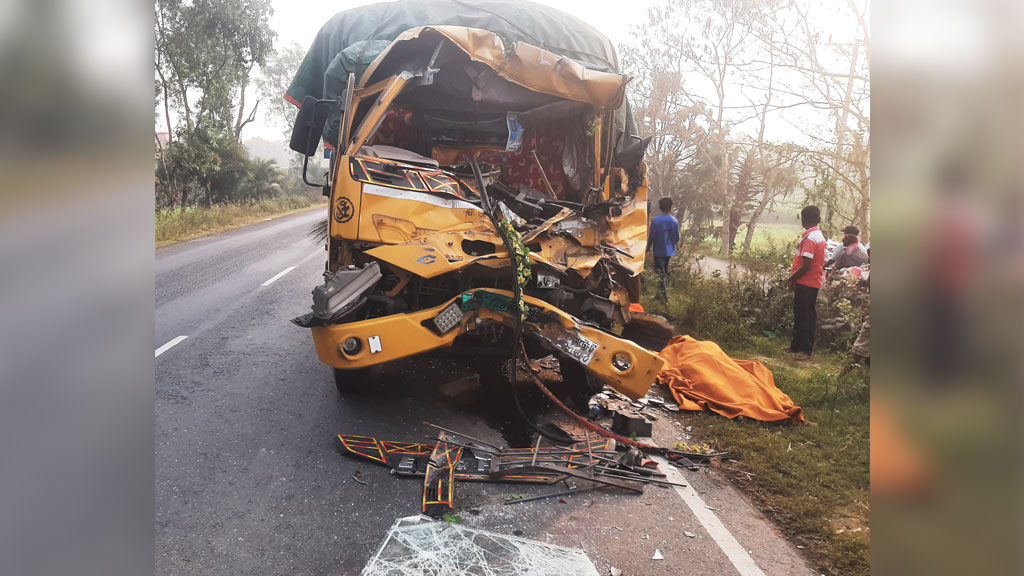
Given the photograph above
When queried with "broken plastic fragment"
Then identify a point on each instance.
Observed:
(657, 555)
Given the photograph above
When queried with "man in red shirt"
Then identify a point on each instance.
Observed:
(805, 280)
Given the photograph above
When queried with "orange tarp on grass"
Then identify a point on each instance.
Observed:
(703, 377)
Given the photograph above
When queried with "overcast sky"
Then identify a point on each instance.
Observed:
(300, 22)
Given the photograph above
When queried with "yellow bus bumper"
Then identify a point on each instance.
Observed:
(621, 364)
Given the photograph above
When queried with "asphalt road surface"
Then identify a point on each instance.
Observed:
(249, 481)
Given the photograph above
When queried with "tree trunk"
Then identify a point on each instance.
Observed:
(241, 120)
(186, 107)
(167, 108)
(863, 215)
(727, 207)
(167, 174)
(723, 232)
(734, 227)
(752, 225)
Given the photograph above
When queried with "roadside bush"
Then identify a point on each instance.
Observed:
(731, 308)
(203, 168)
(173, 225)
(748, 301)
(842, 307)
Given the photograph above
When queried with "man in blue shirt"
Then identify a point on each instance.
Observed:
(663, 236)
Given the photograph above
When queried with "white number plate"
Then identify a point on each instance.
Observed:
(579, 349)
(448, 318)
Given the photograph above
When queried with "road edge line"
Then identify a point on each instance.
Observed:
(726, 542)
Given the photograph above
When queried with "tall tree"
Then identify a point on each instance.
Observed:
(716, 51)
(273, 81)
(688, 58)
(778, 166)
(677, 130)
(206, 51)
(835, 78)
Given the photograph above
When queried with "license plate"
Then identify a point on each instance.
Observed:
(448, 318)
(579, 349)
(545, 281)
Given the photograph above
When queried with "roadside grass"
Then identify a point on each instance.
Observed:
(772, 234)
(771, 240)
(811, 479)
(173, 226)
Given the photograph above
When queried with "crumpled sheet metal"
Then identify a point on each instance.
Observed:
(521, 63)
(417, 545)
(432, 253)
(436, 253)
(628, 231)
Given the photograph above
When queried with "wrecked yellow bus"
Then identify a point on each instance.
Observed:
(482, 190)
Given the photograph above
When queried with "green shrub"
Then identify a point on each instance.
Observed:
(175, 225)
(749, 301)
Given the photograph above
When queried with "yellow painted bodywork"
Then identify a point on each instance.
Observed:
(526, 65)
(420, 233)
(628, 231)
(406, 224)
(392, 88)
(404, 335)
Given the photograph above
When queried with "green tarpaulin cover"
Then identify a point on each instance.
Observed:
(352, 39)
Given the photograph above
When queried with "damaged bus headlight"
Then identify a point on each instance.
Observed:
(344, 290)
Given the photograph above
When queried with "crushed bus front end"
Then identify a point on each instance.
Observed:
(444, 124)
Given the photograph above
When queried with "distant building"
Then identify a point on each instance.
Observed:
(162, 138)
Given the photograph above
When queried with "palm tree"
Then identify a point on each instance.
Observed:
(262, 180)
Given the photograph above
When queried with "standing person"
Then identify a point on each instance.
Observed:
(663, 237)
(805, 280)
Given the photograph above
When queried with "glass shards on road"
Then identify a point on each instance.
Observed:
(418, 545)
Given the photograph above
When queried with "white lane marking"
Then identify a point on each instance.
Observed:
(169, 345)
(719, 533)
(278, 275)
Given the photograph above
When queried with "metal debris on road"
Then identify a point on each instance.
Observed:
(456, 457)
(519, 498)
(439, 479)
(631, 423)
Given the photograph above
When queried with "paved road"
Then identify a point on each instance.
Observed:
(248, 481)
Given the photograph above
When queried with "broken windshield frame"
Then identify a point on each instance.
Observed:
(389, 89)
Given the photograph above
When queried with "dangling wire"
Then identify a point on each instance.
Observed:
(517, 296)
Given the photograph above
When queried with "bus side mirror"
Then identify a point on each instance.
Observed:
(309, 125)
